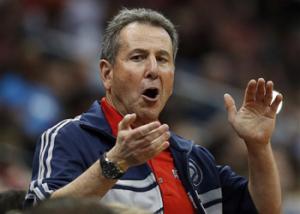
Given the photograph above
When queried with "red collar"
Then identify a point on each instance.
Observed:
(112, 115)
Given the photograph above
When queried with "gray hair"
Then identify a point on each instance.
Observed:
(110, 43)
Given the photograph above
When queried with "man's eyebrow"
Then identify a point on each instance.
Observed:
(164, 52)
(141, 50)
(138, 50)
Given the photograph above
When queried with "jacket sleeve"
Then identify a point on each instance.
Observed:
(56, 162)
(236, 196)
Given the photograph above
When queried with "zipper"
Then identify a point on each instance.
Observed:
(193, 193)
(154, 178)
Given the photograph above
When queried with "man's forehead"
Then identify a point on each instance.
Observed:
(141, 35)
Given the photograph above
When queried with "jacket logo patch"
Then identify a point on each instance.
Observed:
(196, 173)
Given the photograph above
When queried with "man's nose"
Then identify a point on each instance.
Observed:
(151, 68)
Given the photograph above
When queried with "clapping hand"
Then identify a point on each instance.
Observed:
(255, 120)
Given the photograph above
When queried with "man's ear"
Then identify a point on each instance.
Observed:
(106, 73)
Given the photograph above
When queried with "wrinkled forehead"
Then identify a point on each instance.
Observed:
(145, 36)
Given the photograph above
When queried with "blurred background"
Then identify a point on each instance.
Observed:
(49, 52)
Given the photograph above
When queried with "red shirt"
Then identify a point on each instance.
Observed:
(174, 196)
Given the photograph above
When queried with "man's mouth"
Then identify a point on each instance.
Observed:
(151, 94)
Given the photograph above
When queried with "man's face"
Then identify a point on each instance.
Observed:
(143, 73)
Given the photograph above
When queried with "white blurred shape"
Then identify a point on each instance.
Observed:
(275, 93)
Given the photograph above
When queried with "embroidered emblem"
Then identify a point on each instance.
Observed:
(196, 173)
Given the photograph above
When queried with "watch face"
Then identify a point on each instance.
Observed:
(109, 169)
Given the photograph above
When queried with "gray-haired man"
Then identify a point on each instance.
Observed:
(120, 152)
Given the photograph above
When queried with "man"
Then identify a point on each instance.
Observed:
(120, 152)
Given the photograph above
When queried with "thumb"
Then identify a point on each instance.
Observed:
(230, 107)
(127, 121)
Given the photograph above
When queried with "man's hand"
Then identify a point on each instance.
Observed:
(255, 120)
(134, 146)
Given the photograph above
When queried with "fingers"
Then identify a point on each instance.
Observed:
(269, 93)
(127, 121)
(230, 106)
(157, 132)
(144, 130)
(161, 147)
(137, 145)
(142, 136)
(276, 102)
(260, 90)
(250, 93)
(157, 145)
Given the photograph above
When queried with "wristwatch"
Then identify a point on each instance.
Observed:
(110, 169)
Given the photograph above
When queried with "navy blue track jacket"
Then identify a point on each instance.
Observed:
(69, 148)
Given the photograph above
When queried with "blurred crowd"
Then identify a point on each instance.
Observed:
(49, 52)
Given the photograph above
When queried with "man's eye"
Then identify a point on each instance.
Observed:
(137, 58)
(162, 59)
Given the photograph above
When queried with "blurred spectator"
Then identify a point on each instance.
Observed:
(81, 206)
(70, 206)
(36, 107)
(11, 200)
